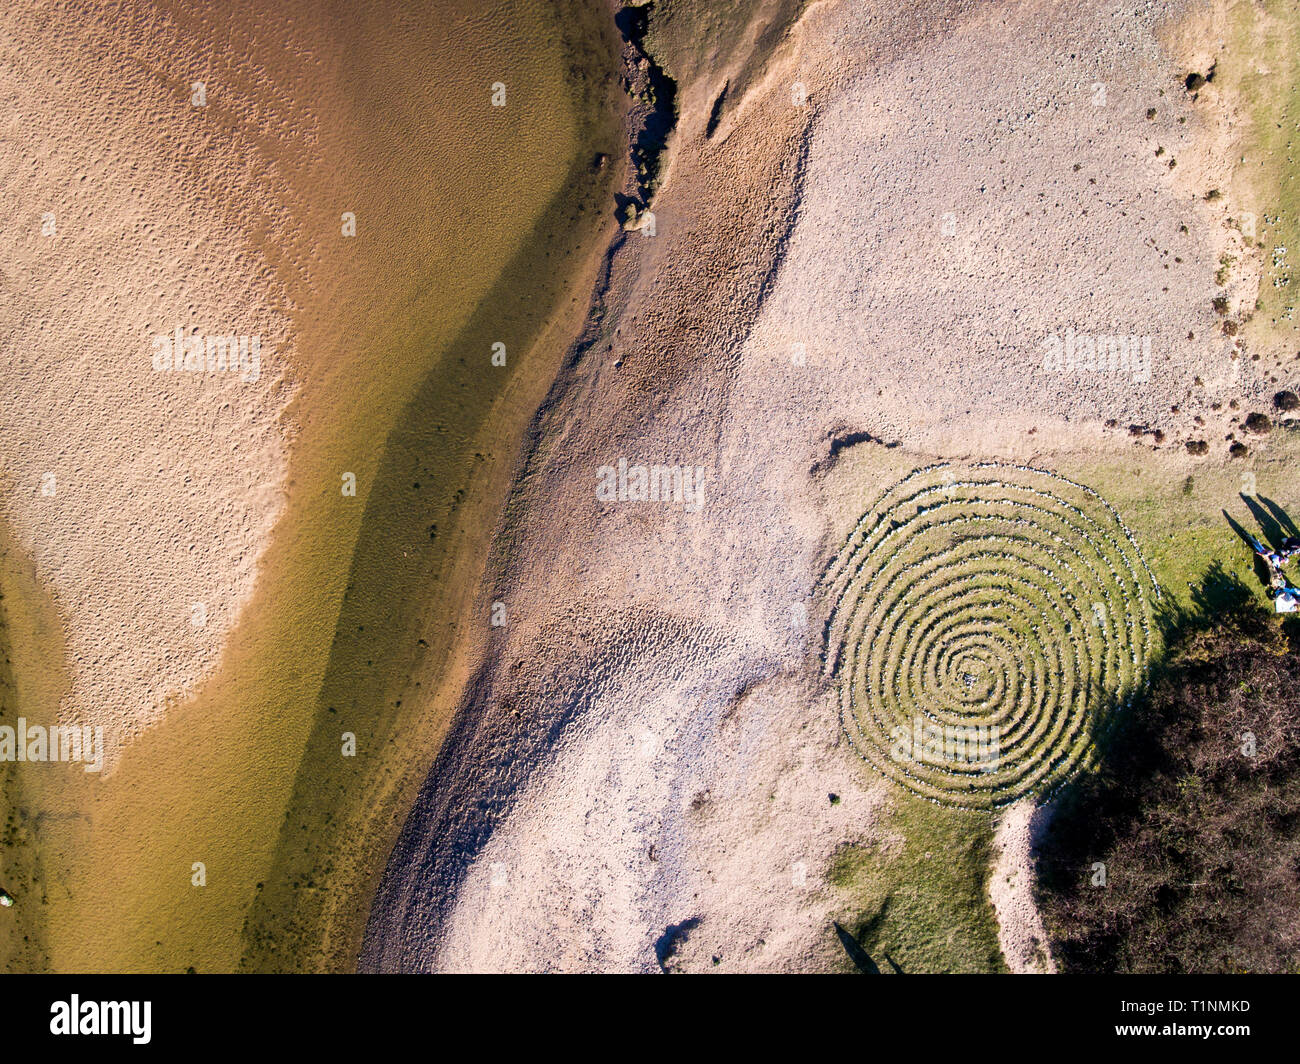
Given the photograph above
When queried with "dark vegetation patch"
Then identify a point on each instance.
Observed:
(852, 439)
(674, 936)
(1146, 430)
(1194, 810)
(660, 98)
(1258, 423)
(842, 441)
(1195, 81)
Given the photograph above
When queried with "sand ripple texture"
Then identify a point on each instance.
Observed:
(143, 497)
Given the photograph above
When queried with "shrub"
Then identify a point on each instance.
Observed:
(1195, 812)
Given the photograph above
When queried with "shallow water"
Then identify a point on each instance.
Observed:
(472, 223)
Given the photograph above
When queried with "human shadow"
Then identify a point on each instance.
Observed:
(1271, 530)
(1267, 519)
(856, 953)
(861, 959)
(1279, 515)
(1246, 537)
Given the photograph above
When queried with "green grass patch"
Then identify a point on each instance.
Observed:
(1181, 517)
(921, 898)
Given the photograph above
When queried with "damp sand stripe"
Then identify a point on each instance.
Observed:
(224, 779)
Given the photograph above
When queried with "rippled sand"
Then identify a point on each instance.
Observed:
(194, 536)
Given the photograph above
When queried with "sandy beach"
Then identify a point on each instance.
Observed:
(500, 475)
(339, 185)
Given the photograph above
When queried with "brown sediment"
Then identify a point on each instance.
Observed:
(671, 317)
(646, 712)
(33, 680)
(379, 368)
(138, 494)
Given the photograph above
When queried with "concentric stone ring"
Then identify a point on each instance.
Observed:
(986, 623)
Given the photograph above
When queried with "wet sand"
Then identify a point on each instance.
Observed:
(472, 224)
